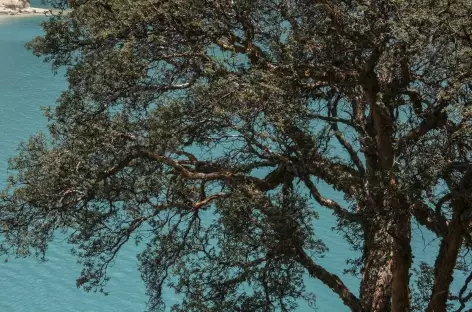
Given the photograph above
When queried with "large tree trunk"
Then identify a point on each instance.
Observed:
(400, 228)
(385, 286)
(375, 292)
(387, 262)
(402, 258)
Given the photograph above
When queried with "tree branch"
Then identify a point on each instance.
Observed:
(441, 202)
(429, 219)
(461, 166)
(330, 280)
(462, 291)
(236, 44)
(337, 209)
(347, 146)
(208, 200)
(210, 175)
(185, 172)
(446, 261)
(334, 119)
(340, 176)
(429, 123)
(155, 88)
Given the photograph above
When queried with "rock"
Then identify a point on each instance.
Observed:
(18, 4)
(25, 11)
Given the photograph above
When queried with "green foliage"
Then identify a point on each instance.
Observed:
(204, 124)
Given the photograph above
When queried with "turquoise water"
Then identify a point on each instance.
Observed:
(26, 84)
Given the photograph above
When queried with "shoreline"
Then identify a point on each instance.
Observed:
(27, 12)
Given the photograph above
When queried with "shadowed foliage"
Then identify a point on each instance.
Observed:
(201, 128)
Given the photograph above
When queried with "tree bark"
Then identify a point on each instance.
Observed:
(375, 292)
(330, 280)
(391, 260)
(446, 261)
(450, 246)
(402, 257)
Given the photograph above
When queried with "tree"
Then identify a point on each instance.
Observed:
(203, 127)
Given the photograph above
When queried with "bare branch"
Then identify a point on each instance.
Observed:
(334, 119)
(330, 280)
(209, 200)
(347, 146)
(183, 170)
(337, 209)
(462, 300)
(217, 174)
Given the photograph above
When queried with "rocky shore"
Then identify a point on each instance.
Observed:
(16, 11)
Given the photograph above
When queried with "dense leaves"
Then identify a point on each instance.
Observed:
(201, 129)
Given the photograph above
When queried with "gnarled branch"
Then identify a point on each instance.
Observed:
(337, 209)
(330, 280)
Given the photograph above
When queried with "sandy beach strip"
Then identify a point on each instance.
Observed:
(6, 12)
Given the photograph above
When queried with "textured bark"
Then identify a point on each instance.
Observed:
(402, 258)
(429, 219)
(385, 280)
(390, 256)
(330, 280)
(444, 267)
(450, 247)
(375, 291)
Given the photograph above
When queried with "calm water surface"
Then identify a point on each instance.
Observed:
(26, 84)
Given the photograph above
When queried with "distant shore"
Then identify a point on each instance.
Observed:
(9, 12)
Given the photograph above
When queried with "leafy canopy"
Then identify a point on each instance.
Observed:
(200, 128)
